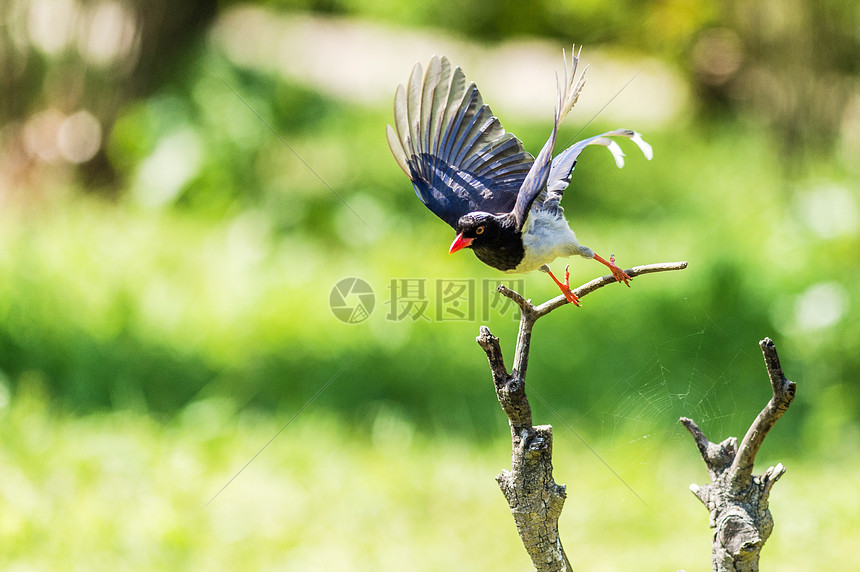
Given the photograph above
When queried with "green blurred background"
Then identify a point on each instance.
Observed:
(182, 184)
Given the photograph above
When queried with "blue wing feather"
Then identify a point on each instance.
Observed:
(452, 147)
(461, 160)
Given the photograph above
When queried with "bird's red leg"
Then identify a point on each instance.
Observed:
(619, 274)
(565, 288)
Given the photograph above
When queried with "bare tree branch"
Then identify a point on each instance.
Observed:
(510, 389)
(490, 344)
(737, 500)
(783, 395)
(532, 494)
(701, 441)
(597, 283)
(717, 456)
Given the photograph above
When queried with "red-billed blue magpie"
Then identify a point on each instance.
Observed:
(502, 202)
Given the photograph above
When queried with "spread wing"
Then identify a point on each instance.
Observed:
(564, 162)
(452, 147)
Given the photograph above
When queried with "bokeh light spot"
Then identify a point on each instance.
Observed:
(829, 211)
(820, 306)
(79, 137)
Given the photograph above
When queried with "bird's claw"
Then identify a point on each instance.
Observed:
(619, 274)
(565, 288)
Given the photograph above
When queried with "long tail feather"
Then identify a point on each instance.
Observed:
(572, 84)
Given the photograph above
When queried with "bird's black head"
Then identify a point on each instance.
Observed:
(493, 238)
(475, 230)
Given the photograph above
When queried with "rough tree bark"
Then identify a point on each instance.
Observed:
(737, 499)
(532, 494)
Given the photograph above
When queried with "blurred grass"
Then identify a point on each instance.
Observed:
(119, 491)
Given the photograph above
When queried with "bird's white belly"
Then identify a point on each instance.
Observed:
(545, 238)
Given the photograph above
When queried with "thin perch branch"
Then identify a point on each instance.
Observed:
(597, 283)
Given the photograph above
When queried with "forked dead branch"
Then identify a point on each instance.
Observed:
(532, 494)
(736, 499)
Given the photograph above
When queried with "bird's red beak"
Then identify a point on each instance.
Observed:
(459, 243)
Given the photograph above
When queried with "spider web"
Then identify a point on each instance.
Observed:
(681, 376)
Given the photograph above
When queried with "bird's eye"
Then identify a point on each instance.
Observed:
(479, 230)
